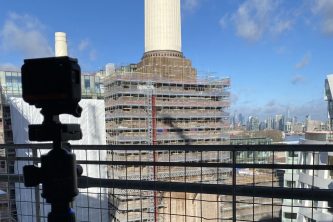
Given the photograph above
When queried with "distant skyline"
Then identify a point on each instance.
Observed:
(277, 53)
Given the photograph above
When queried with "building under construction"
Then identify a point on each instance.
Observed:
(160, 101)
(142, 108)
(153, 109)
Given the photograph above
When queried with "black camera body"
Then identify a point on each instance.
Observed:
(53, 84)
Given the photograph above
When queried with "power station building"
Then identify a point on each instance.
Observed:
(161, 101)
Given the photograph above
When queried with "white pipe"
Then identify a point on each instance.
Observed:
(60, 44)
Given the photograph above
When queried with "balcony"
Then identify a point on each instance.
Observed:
(180, 183)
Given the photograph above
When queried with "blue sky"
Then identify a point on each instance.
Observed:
(277, 53)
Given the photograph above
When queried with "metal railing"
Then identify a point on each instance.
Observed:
(190, 183)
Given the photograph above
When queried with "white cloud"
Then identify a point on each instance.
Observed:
(317, 108)
(254, 18)
(297, 79)
(250, 19)
(92, 55)
(224, 21)
(282, 26)
(83, 45)
(23, 34)
(281, 50)
(324, 8)
(8, 67)
(190, 5)
(304, 61)
(86, 49)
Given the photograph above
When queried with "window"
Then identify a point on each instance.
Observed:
(87, 83)
(2, 164)
(330, 206)
(290, 215)
(292, 154)
(330, 162)
(291, 184)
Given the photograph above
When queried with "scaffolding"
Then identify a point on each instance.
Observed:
(150, 109)
(187, 112)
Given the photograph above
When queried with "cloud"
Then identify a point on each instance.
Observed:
(83, 45)
(250, 19)
(191, 5)
(271, 103)
(255, 18)
(324, 8)
(85, 48)
(224, 21)
(281, 50)
(23, 34)
(317, 108)
(304, 61)
(234, 98)
(93, 55)
(297, 79)
(8, 67)
(282, 26)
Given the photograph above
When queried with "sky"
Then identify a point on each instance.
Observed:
(276, 53)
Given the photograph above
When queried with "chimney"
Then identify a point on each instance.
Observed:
(162, 25)
(60, 44)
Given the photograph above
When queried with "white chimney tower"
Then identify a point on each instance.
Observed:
(60, 44)
(162, 25)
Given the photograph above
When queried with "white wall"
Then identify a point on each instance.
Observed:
(92, 123)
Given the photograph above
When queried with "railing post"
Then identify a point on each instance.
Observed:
(37, 191)
(234, 205)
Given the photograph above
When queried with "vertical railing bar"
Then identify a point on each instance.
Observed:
(273, 184)
(313, 161)
(234, 186)
(87, 188)
(100, 187)
(31, 189)
(140, 191)
(126, 193)
(217, 182)
(292, 183)
(37, 193)
(253, 185)
(185, 192)
(201, 180)
(170, 179)
(113, 177)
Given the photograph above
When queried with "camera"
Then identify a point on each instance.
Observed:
(53, 84)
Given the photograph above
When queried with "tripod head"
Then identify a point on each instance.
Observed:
(54, 85)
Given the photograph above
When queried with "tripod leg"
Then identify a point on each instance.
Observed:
(61, 212)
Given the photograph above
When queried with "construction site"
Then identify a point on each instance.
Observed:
(156, 109)
(161, 100)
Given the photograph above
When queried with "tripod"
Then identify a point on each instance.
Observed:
(58, 172)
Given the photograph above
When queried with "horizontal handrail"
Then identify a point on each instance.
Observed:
(187, 148)
(218, 189)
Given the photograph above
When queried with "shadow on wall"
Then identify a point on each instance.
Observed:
(271, 219)
(168, 120)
